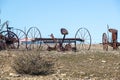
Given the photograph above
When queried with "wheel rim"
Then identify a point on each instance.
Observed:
(11, 40)
(105, 41)
(85, 39)
(22, 38)
(33, 33)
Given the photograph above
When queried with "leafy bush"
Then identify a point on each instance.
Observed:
(34, 64)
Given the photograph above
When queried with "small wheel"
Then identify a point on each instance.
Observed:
(105, 41)
(22, 38)
(32, 34)
(82, 39)
(11, 40)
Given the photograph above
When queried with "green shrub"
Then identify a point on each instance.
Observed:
(34, 64)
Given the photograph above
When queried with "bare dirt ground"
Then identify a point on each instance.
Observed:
(94, 64)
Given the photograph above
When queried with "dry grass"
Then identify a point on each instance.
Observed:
(95, 64)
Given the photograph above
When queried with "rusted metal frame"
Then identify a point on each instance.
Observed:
(114, 38)
(118, 43)
(66, 40)
(111, 44)
(63, 39)
(59, 40)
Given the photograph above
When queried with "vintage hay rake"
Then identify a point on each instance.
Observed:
(81, 41)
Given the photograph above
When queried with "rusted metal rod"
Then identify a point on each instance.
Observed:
(50, 40)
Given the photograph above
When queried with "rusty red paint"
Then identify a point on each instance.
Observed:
(114, 38)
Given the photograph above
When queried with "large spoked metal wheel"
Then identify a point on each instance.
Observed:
(82, 39)
(22, 38)
(33, 34)
(105, 41)
(11, 40)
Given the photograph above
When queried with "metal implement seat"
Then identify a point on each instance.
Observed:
(64, 31)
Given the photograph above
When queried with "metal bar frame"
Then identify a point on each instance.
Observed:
(66, 40)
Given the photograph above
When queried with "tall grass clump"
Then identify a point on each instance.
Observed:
(33, 64)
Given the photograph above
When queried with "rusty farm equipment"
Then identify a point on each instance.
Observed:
(10, 37)
(81, 41)
(113, 42)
